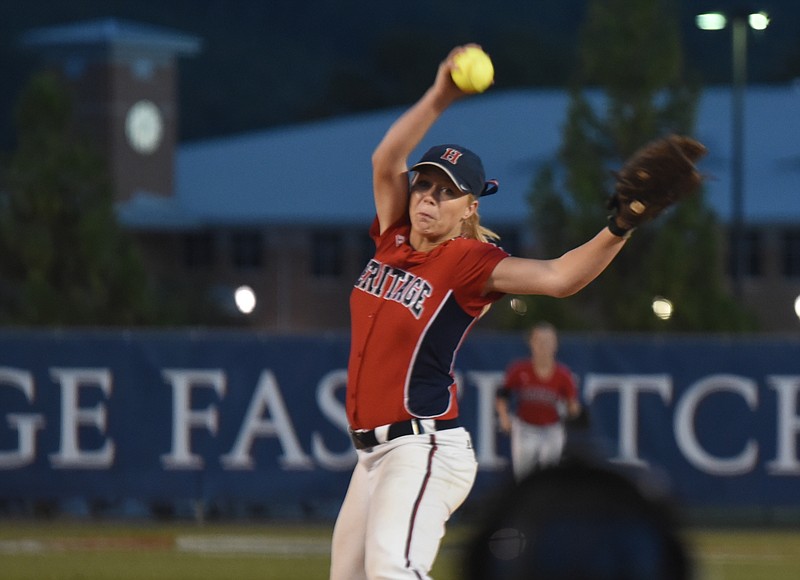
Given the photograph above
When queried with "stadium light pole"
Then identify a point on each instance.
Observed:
(739, 21)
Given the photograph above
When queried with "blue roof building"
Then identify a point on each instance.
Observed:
(320, 172)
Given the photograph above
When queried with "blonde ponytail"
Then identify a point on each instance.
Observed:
(472, 228)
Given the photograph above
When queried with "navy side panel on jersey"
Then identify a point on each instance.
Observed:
(428, 389)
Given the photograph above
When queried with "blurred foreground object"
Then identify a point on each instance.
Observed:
(576, 521)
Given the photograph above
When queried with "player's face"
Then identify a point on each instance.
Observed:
(437, 207)
(544, 342)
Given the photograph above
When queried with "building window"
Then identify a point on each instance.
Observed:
(247, 250)
(791, 254)
(751, 254)
(328, 255)
(199, 250)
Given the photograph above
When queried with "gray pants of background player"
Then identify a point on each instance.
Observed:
(400, 496)
(535, 446)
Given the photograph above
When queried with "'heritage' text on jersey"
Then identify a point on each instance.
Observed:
(395, 284)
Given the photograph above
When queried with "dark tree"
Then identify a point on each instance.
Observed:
(630, 88)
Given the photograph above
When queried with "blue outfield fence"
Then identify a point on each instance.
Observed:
(247, 417)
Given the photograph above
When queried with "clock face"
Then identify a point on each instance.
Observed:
(144, 127)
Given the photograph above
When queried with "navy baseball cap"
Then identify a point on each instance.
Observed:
(462, 166)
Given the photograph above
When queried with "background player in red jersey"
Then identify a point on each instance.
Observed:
(545, 394)
(432, 277)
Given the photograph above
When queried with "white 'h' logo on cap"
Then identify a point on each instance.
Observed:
(451, 155)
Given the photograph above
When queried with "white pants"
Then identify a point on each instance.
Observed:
(534, 446)
(400, 497)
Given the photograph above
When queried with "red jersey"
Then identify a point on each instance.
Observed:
(410, 312)
(537, 398)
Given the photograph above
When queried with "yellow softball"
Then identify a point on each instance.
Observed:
(473, 71)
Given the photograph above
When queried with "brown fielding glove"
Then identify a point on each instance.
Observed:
(656, 176)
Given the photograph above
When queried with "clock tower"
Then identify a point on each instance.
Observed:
(123, 78)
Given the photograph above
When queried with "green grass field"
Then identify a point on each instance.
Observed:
(141, 551)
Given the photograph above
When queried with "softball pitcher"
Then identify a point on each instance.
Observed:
(433, 274)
